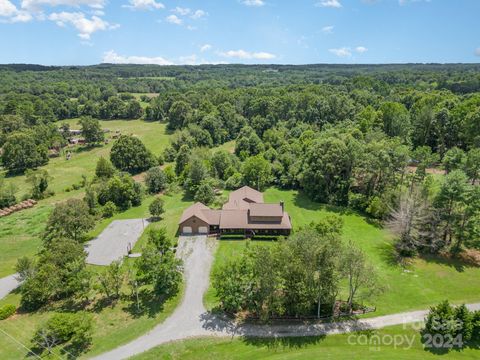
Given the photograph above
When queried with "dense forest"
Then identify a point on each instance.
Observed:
(361, 136)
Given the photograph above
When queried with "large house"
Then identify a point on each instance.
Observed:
(244, 213)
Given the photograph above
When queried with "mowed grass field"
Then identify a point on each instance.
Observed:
(20, 232)
(394, 344)
(426, 282)
(65, 173)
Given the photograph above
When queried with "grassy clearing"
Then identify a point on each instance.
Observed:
(425, 283)
(65, 173)
(113, 326)
(347, 346)
(20, 232)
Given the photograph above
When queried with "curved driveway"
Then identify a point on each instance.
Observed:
(191, 319)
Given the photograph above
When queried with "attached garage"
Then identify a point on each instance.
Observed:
(199, 219)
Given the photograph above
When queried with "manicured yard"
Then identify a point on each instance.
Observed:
(425, 283)
(348, 346)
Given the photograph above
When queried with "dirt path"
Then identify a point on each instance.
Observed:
(191, 319)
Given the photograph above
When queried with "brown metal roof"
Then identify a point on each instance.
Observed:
(195, 210)
(238, 219)
(271, 210)
(246, 193)
(243, 205)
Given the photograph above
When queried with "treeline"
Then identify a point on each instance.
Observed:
(301, 276)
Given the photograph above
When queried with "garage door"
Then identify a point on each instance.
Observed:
(202, 230)
(187, 230)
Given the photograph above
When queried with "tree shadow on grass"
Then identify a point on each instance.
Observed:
(390, 257)
(283, 343)
(303, 201)
(453, 262)
(148, 305)
(442, 351)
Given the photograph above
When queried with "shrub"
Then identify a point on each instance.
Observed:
(155, 180)
(205, 194)
(156, 207)
(6, 311)
(65, 328)
(109, 209)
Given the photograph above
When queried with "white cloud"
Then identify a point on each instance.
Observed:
(198, 14)
(7, 8)
(327, 29)
(10, 11)
(477, 51)
(254, 3)
(329, 3)
(242, 54)
(345, 52)
(341, 52)
(188, 60)
(36, 5)
(112, 57)
(205, 47)
(144, 5)
(182, 11)
(86, 27)
(174, 19)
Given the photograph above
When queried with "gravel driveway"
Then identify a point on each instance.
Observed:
(191, 319)
(186, 321)
(113, 243)
(7, 285)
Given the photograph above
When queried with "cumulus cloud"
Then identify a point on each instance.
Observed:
(205, 47)
(10, 13)
(182, 11)
(477, 51)
(254, 3)
(174, 19)
(85, 26)
(198, 14)
(144, 5)
(327, 29)
(329, 3)
(345, 52)
(342, 52)
(37, 5)
(112, 57)
(246, 55)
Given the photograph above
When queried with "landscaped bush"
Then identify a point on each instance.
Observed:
(109, 209)
(71, 330)
(6, 311)
(448, 327)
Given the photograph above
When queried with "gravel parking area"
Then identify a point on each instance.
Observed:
(115, 241)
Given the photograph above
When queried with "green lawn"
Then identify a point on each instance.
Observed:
(347, 346)
(20, 232)
(65, 173)
(425, 283)
(113, 326)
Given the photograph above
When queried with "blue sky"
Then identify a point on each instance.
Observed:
(81, 32)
